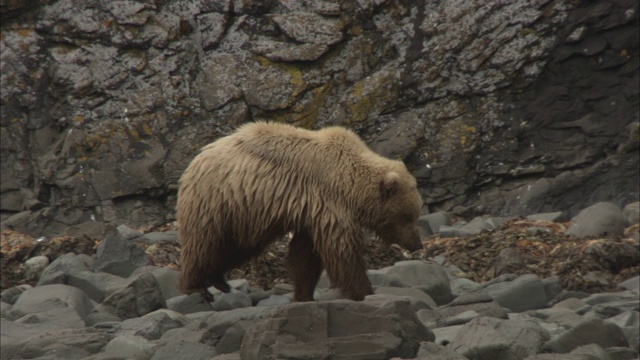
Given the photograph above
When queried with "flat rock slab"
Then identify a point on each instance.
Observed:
(356, 330)
(66, 343)
(50, 297)
(588, 331)
(428, 277)
(524, 293)
(152, 325)
(179, 349)
(487, 338)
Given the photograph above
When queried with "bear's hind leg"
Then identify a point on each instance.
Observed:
(305, 266)
(235, 258)
(220, 283)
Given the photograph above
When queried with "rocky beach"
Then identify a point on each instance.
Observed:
(519, 120)
(535, 287)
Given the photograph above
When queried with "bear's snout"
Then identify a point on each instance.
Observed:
(415, 243)
(407, 237)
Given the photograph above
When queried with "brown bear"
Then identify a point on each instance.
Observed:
(247, 189)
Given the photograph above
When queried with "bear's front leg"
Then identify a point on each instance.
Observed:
(355, 285)
(305, 266)
(346, 268)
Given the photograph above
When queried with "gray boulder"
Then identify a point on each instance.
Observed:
(127, 232)
(376, 276)
(97, 285)
(50, 297)
(551, 216)
(351, 330)
(180, 349)
(588, 331)
(453, 315)
(187, 304)
(601, 298)
(275, 300)
(598, 219)
(168, 279)
(4, 308)
(631, 212)
(473, 227)
(631, 284)
(77, 271)
(418, 298)
(258, 294)
(576, 305)
(217, 322)
(231, 341)
(428, 277)
(460, 286)
(153, 325)
(58, 344)
(586, 352)
(16, 334)
(629, 322)
(431, 223)
(433, 351)
(446, 334)
(231, 300)
(562, 317)
(11, 295)
(142, 296)
(130, 347)
(552, 287)
(524, 293)
(58, 271)
(62, 318)
(117, 255)
(487, 338)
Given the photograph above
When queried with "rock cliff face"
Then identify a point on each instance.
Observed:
(503, 107)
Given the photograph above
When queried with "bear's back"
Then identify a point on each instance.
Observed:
(287, 145)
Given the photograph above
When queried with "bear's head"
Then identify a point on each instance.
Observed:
(400, 209)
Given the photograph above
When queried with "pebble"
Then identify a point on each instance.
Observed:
(35, 266)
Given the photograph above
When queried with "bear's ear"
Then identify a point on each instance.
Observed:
(389, 184)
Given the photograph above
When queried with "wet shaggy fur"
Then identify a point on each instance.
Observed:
(247, 189)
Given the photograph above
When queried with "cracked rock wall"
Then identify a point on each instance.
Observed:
(502, 107)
